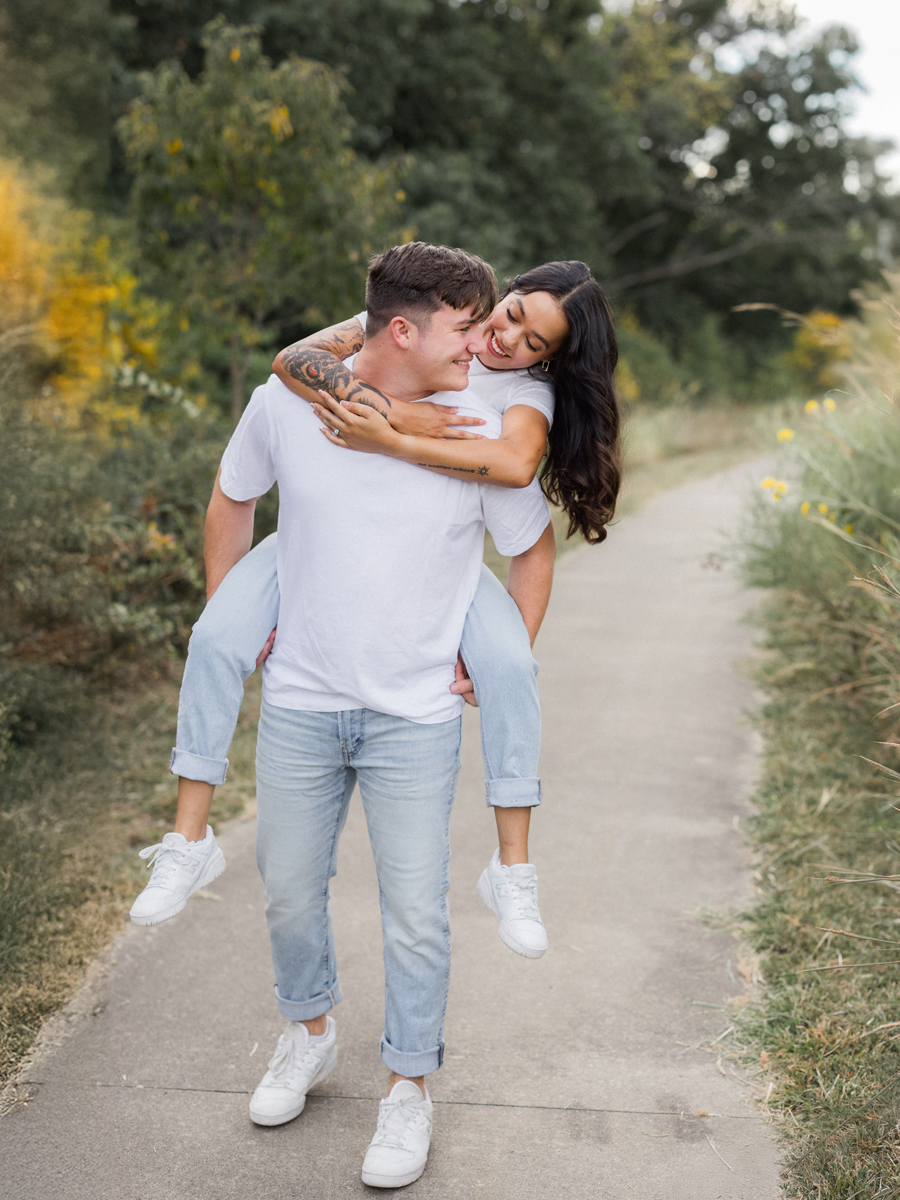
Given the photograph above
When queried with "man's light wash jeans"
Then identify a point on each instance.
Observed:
(243, 612)
(306, 766)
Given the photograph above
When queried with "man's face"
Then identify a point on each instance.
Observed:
(444, 349)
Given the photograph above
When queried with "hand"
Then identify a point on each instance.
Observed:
(267, 648)
(463, 685)
(425, 419)
(355, 426)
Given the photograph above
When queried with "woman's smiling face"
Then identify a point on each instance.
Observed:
(525, 328)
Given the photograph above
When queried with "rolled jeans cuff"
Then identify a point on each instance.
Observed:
(411, 1066)
(513, 793)
(308, 1010)
(195, 766)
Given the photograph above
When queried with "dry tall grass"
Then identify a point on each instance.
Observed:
(826, 1033)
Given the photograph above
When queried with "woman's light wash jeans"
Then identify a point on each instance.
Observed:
(306, 766)
(233, 628)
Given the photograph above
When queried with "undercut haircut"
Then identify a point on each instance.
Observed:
(414, 280)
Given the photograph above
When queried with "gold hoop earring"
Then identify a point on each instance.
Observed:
(545, 365)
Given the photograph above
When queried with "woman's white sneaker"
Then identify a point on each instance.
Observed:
(298, 1062)
(511, 894)
(180, 868)
(399, 1150)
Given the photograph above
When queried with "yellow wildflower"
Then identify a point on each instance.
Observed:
(768, 482)
(804, 508)
(832, 517)
(785, 435)
(158, 542)
(401, 195)
(848, 529)
(280, 121)
(235, 53)
(829, 405)
(823, 509)
(174, 147)
(811, 406)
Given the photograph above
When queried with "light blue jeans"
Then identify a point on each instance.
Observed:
(233, 628)
(306, 766)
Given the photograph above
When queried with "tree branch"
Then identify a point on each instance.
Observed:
(632, 231)
(686, 265)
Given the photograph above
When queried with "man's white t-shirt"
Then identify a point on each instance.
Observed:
(502, 389)
(378, 560)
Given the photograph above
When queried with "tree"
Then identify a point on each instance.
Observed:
(252, 210)
(544, 128)
(55, 68)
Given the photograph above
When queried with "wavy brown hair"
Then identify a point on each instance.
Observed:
(582, 472)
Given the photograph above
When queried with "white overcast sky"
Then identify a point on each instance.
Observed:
(877, 25)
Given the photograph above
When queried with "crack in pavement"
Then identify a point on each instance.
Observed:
(632, 1112)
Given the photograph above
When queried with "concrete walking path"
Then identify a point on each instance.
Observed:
(579, 1075)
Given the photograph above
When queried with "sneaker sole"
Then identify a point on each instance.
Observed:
(327, 1067)
(487, 896)
(213, 869)
(392, 1181)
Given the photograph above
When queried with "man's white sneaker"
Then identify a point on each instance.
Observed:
(180, 868)
(298, 1063)
(399, 1150)
(511, 894)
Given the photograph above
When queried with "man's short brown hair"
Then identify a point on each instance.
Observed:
(414, 280)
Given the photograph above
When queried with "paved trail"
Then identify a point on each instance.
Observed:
(575, 1076)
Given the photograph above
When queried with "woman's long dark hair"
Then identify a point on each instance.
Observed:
(582, 472)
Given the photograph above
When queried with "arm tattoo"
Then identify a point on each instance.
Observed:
(320, 369)
(464, 470)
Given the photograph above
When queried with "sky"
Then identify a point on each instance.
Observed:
(877, 25)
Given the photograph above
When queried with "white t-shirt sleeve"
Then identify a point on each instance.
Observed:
(248, 467)
(515, 517)
(531, 392)
(361, 317)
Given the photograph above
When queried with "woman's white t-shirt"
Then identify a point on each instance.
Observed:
(502, 389)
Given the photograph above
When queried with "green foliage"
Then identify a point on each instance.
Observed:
(678, 148)
(100, 552)
(548, 132)
(826, 830)
(55, 91)
(252, 210)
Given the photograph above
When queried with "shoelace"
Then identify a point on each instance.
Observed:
(395, 1119)
(523, 893)
(164, 860)
(281, 1064)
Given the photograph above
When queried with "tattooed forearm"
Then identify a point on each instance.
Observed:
(320, 369)
(463, 470)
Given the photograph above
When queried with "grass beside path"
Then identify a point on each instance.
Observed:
(74, 812)
(77, 804)
(822, 1038)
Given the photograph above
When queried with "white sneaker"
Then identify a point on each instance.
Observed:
(180, 868)
(511, 894)
(295, 1066)
(399, 1150)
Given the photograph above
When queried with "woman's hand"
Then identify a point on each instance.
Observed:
(267, 648)
(463, 686)
(425, 419)
(356, 426)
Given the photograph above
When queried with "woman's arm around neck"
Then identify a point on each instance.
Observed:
(511, 460)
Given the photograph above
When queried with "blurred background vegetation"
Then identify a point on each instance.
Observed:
(186, 186)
